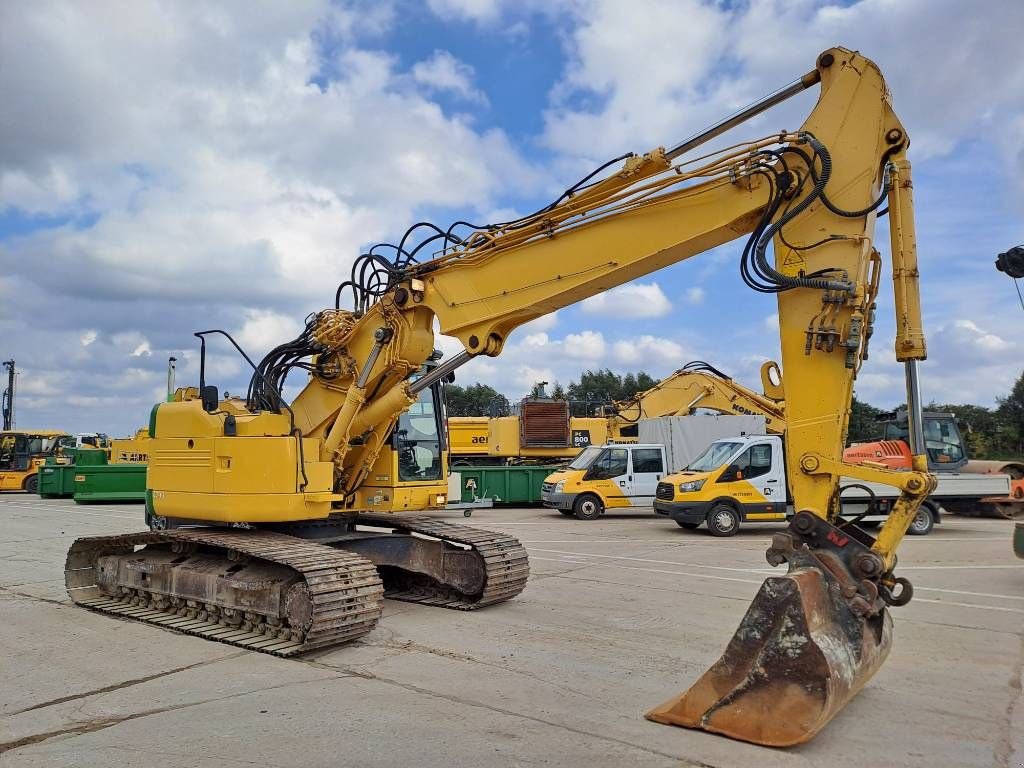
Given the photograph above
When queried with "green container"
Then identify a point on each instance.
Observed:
(56, 481)
(508, 485)
(85, 457)
(110, 482)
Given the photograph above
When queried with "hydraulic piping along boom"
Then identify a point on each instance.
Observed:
(816, 634)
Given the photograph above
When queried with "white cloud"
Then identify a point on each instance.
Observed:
(648, 351)
(229, 182)
(263, 330)
(526, 376)
(633, 300)
(542, 323)
(473, 10)
(621, 65)
(969, 337)
(586, 345)
(443, 72)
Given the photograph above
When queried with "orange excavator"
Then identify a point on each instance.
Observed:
(947, 453)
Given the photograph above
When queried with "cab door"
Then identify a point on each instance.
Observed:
(756, 480)
(766, 471)
(648, 467)
(22, 453)
(609, 477)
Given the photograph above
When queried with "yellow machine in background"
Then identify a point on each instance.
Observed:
(700, 386)
(22, 453)
(545, 431)
(130, 450)
(310, 569)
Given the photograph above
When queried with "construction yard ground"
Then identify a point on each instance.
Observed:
(619, 615)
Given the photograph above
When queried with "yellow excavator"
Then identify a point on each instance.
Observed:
(544, 430)
(297, 506)
(699, 385)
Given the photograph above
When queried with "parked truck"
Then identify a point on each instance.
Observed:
(743, 479)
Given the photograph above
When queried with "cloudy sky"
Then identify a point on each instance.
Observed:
(167, 167)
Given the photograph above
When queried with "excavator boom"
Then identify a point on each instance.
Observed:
(311, 470)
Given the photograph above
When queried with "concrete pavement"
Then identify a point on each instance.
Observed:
(619, 614)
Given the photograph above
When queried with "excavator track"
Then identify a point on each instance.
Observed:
(333, 596)
(506, 564)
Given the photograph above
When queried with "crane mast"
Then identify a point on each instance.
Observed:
(8, 396)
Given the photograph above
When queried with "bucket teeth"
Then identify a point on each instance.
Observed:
(799, 654)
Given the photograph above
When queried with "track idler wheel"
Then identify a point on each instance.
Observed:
(809, 641)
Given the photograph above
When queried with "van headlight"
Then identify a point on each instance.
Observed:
(559, 486)
(691, 487)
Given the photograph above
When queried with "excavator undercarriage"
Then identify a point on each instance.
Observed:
(291, 588)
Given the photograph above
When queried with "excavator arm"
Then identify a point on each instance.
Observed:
(811, 637)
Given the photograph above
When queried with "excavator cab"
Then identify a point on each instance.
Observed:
(942, 439)
(943, 442)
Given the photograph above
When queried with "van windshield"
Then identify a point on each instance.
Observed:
(585, 458)
(714, 456)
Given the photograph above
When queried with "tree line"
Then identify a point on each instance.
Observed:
(594, 389)
(990, 433)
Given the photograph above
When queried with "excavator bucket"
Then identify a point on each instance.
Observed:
(799, 655)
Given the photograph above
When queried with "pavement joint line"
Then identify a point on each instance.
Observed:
(1004, 609)
(649, 560)
(188, 758)
(632, 558)
(80, 512)
(27, 596)
(101, 723)
(412, 646)
(753, 581)
(960, 567)
(126, 684)
(1005, 748)
(508, 712)
(967, 627)
(657, 570)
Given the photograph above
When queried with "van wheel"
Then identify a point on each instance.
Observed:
(922, 523)
(32, 484)
(688, 526)
(587, 507)
(723, 520)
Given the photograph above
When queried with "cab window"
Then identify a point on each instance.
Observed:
(418, 440)
(647, 460)
(754, 462)
(942, 441)
(611, 463)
